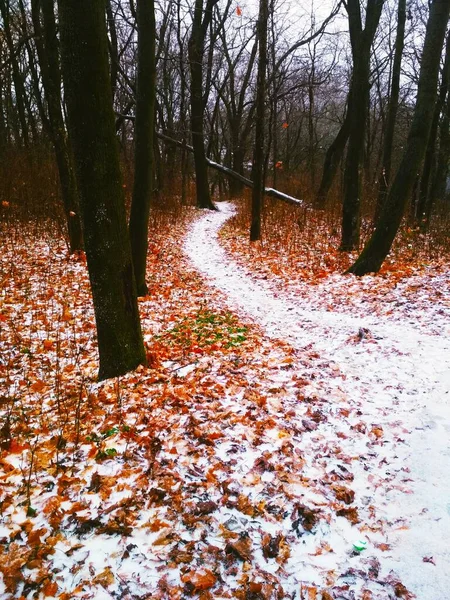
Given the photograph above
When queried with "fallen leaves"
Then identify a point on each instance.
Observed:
(349, 513)
(304, 517)
(197, 581)
(201, 471)
(242, 548)
(344, 494)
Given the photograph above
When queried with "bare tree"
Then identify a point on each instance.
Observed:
(258, 171)
(361, 42)
(47, 46)
(379, 244)
(200, 24)
(144, 128)
(385, 176)
(87, 84)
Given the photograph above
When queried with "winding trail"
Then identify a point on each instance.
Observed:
(398, 379)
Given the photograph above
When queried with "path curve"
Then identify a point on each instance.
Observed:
(401, 380)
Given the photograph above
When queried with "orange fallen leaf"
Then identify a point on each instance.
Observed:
(200, 580)
(16, 448)
(50, 589)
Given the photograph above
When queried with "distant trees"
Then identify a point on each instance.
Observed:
(386, 166)
(88, 97)
(340, 102)
(47, 47)
(379, 245)
(258, 171)
(200, 23)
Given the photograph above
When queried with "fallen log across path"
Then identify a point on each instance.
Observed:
(272, 193)
(218, 167)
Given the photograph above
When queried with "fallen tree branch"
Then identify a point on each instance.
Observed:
(225, 170)
(247, 182)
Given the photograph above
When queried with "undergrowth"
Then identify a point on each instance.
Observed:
(308, 240)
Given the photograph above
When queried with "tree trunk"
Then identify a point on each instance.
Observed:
(48, 55)
(196, 53)
(19, 87)
(113, 48)
(440, 178)
(379, 245)
(361, 42)
(429, 171)
(144, 136)
(258, 155)
(333, 157)
(385, 176)
(84, 52)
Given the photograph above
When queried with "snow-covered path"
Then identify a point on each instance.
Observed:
(398, 376)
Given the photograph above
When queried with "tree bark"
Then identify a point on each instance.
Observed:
(440, 178)
(113, 47)
(379, 245)
(385, 176)
(361, 42)
(196, 48)
(429, 171)
(19, 87)
(258, 170)
(144, 136)
(48, 55)
(333, 157)
(84, 51)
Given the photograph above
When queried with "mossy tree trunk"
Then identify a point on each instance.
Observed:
(379, 245)
(87, 86)
(144, 137)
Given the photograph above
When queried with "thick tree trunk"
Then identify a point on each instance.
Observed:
(258, 170)
(48, 55)
(379, 245)
(361, 42)
(196, 47)
(84, 50)
(353, 165)
(144, 128)
(388, 142)
(433, 159)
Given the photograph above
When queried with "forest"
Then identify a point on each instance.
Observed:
(224, 299)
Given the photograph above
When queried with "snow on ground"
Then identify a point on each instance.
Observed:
(236, 465)
(394, 373)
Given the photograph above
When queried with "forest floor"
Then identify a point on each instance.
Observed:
(288, 439)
